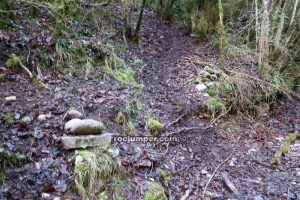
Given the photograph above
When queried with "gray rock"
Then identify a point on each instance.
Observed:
(74, 114)
(84, 127)
(76, 142)
(201, 87)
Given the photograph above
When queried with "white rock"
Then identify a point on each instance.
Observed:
(26, 119)
(84, 127)
(204, 172)
(74, 114)
(71, 123)
(10, 98)
(205, 94)
(42, 118)
(76, 142)
(201, 87)
(210, 84)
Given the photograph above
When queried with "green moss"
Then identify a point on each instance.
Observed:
(37, 83)
(285, 147)
(93, 170)
(212, 92)
(155, 127)
(9, 118)
(120, 118)
(204, 79)
(124, 75)
(155, 192)
(13, 61)
(8, 160)
(164, 175)
(226, 89)
(209, 70)
(130, 128)
(215, 105)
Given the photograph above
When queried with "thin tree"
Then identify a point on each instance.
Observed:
(139, 22)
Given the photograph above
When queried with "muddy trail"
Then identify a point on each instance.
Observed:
(170, 55)
(172, 62)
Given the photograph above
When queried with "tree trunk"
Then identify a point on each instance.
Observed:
(294, 12)
(280, 25)
(127, 19)
(223, 41)
(139, 22)
(159, 9)
(263, 50)
(169, 10)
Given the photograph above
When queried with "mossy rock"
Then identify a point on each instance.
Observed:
(155, 192)
(204, 79)
(285, 147)
(226, 89)
(155, 127)
(212, 92)
(94, 169)
(209, 70)
(215, 105)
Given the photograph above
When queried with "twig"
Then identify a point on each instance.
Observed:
(230, 186)
(26, 69)
(214, 173)
(272, 167)
(176, 120)
(199, 127)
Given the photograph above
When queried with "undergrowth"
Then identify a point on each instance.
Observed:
(240, 91)
(96, 169)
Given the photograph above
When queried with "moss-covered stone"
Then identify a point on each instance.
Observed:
(204, 79)
(155, 192)
(215, 105)
(285, 147)
(226, 89)
(212, 92)
(93, 170)
(155, 127)
(209, 70)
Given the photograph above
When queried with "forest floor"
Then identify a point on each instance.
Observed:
(239, 142)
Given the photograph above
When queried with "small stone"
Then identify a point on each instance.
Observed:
(74, 114)
(42, 118)
(27, 119)
(205, 95)
(10, 98)
(213, 77)
(204, 172)
(258, 197)
(17, 116)
(210, 84)
(76, 142)
(201, 87)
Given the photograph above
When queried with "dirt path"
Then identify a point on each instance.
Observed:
(166, 52)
